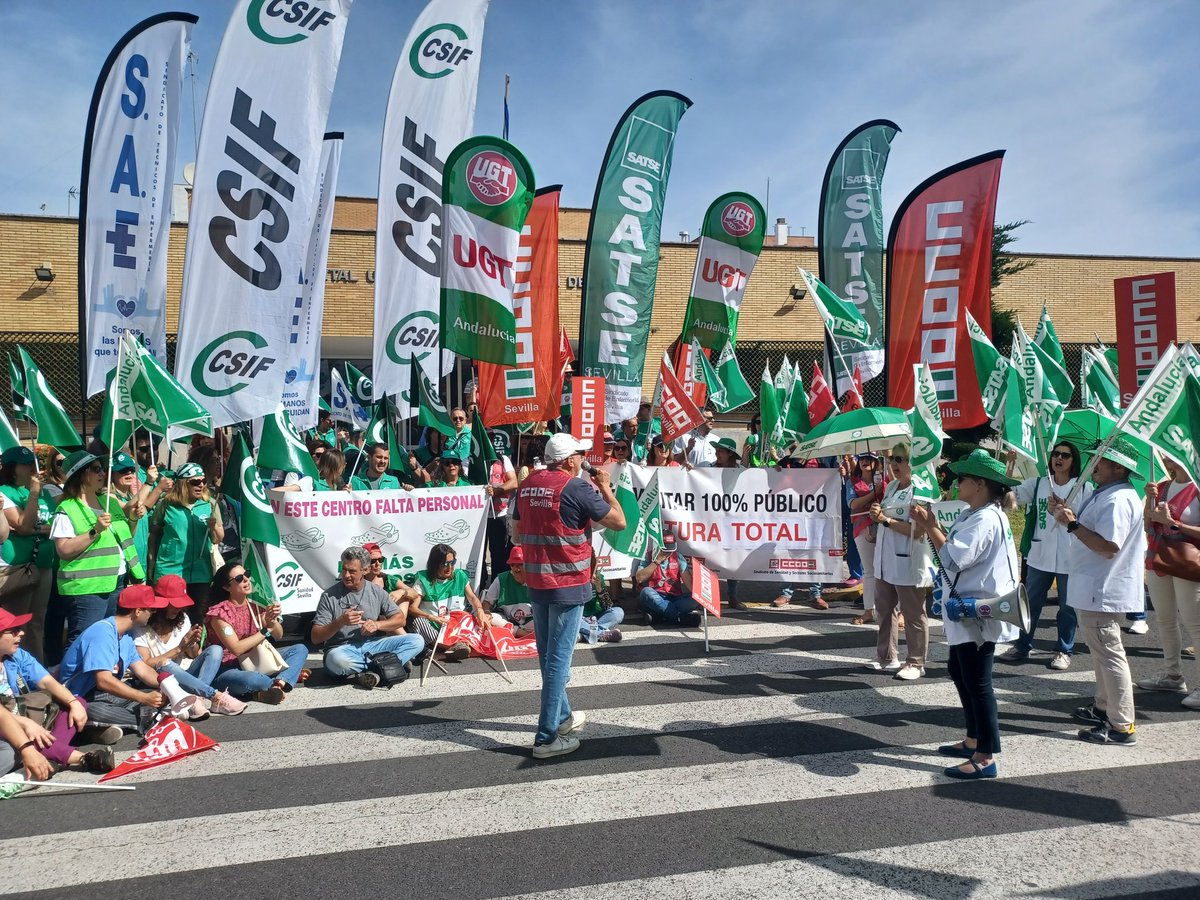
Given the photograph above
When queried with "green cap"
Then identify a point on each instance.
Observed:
(726, 444)
(981, 464)
(122, 462)
(17, 456)
(189, 470)
(77, 462)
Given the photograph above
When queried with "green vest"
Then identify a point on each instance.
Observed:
(511, 593)
(94, 571)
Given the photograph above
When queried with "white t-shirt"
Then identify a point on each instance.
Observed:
(5, 503)
(1051, 543)
(147, 637)
(979, 550)
(703, 453)
(899, 559)
(305, 481)
(61, 527)
(1099, 584)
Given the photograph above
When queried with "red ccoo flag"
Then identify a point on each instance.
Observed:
(678, 413)
(821, 402)
(166, 742)
(854, 398)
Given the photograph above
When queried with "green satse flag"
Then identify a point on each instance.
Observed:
(990, 367)
(20, 402)
(241, 483)
(925, 418)
(1099, 389)
(796, 423)
(281, 446)
(487, 189)
(730, 242)
(1047, 339)
(54, 426)
(768, 412)
(843, 321)
(925, 484)
(643, 520)
(1166, 411)
(381, 430)
(621, 259)
(482, 455)
(737, 391)
(8, 437)
(785, 377)
(431, 414)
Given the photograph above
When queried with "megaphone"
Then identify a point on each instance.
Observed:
(1013, 607)
(181, 704)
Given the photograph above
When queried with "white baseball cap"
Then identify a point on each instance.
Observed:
(562, 445)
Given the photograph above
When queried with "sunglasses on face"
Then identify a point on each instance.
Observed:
(143, 450)
(376, 560)
(1059, 454)
(449, 564)
(621, 448)
(898, 460)
(195, 482)
(95, 467)
(239, 579)
(458, 418)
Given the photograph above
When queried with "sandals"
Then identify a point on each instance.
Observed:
(864, 619)
(273, 696)
(977, 771)
(305, 674)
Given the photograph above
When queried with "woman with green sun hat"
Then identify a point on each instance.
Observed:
(183, 530)
(978, 560)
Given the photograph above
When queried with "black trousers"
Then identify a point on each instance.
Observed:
(499, 546)
(971, 672)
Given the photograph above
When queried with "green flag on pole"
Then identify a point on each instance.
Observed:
(841, 318)
(1046, 338)
(361, 387)
(432, 413)
(737, 391)
(643, 520)
(281, 447)
(768, 412)
(925, 484)
(1166, 411)
(796, 423)
(262, 591)
(241, 483)
(926, 418)
(8, 437)
(990, 367)
(482, 453)
(1053, 373)
(141, 392)
(54, 426)
(1098, 384)
(20, 402)
(382, 430)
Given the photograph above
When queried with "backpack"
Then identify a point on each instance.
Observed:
(389, 668)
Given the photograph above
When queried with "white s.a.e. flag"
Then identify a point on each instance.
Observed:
(431, 110)
(125, 194)
(302, 381)
(253, 199)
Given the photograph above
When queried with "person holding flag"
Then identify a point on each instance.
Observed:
(28, 515)
(183, 531)
(868, 484)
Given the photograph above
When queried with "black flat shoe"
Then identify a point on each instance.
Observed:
(956, 750)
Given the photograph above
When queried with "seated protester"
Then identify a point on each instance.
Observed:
(667, 595)
(507, 598)
(443, 590)
(238, 629)
(376, 477)
(331, 465)
(20, 674)
(600, 615)
(171, 643)
(96, 667)
(393, 585)
(357, 619)
(17, 751)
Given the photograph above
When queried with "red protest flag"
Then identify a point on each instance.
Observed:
(821, 402)
(706, 590)
(678, 413)
(854, 399)
(166, 742)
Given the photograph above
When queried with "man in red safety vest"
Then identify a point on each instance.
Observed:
(554, 513)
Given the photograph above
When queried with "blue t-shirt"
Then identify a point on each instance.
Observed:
(98, 649)
(579, 505)
(24, 665)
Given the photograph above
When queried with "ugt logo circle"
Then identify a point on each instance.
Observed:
(738, 219)
(492, 177)
(233, 356)
(414, 336)
(286, 21)
(439, 50)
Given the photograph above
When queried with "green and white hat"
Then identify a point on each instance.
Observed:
(726, 444)
(77, 462)
(1121, 451)
(980, 464)
(189, 470)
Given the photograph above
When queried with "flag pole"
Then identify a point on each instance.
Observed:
(68, 784)
(842, 362)
(112, 428)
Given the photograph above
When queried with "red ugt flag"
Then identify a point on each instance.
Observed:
(821, 403)
(853, 400)
(678, 413)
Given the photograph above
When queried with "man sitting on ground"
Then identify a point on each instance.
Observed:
(667, 595)
(507, 598)
(357, 619)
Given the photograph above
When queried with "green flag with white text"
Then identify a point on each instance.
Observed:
(1054, 373)
(990, 367)
(843, 322)
(54, 426)
(1046, 339)
(242, 484)
(281, 447)
(487, 189)
(717, 395)
(643, 520)
(925, 418)
(1166, 411)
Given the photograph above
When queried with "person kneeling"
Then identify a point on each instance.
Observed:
(357, 619)
(667, 596)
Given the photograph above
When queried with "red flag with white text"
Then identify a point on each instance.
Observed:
(169, 740)
(678, 413)
(821, 402)
(706, 590)
(587, 415)
(462, 628)
(854, 398)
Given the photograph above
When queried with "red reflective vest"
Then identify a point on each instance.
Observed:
(555, 556)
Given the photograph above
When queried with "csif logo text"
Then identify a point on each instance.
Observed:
(286, 21)
(439, 50)
(415, 335)
(231, 355)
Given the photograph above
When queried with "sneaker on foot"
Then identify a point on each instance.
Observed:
(99, 761)
(368, 680)
(560, 746)
(1103, 734)
(1188, 653)
(609, 636)
(225, 704)
(457, 653)
(910, 673)
(102, 734)
(1164, 682)
(1061, 661)
(577, 721)
(1013, 655)
(1141, 626)
(1090, 715)
(198, 711)
(1192, 700)
(879, 665)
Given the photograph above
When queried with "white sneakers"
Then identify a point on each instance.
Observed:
(910, 673)
(1061, 661)
(1192, 700)
(1138, 627)
(560, 746)
(877, 666)
(1164, 682)
(577, 721)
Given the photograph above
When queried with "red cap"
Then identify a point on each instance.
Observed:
(608, 438)
(372, 547)
(8, 620)
(173, 589)
(516, 555)
(140, 596)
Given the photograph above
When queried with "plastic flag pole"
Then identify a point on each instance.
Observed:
(705, 614)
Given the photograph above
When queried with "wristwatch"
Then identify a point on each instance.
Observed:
(1072, 527)
(265, 631)
(92, 531)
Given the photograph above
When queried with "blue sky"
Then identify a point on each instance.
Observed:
(1095, 102)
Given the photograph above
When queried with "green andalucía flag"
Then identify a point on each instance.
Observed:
(730, 241)
(1053, 372)
(643, 519)
(1166, 411)
(1016, 415)
(432, 412)
(8, 437)
(487, 189)
(54, 426)
(925, 418)
(281, 446)
(990, 367)
(242, 484)
(620, 263)
(737, 391)
(140, 392)
(1047, 339)
(1098, 384)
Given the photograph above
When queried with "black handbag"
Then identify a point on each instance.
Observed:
(389, 668)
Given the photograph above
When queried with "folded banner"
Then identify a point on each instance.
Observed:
(125, 192)
(850, 239)
(315, 529)
(302, 381)
(487, 189)
(730, 241)
(166, 742)
(462, 628)
(939, 269)
(527, 392)
(620, 262)
(430, 111)
(257, 173)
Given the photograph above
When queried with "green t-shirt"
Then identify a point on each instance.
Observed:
(185, 548)
(385, 482)
(461, 483)
(141, 531)
(21, 548)
(443, 597)
(511, 592)
(319, 484)
(753, 441)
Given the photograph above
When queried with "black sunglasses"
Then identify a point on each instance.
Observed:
(195, 482)
(1060, 454)
(376, 559)
(238, 578)
(897, 460)
(449, 564)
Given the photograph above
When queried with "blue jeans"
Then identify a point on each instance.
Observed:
(669, 608)
(350, 659)
(590, 631)
(556, 628)
(1037, 583)
(85, 610)
(197, 676)
(242, 684)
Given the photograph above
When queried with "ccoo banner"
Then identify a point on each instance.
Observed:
(125, 194)
(527, 392)
(430, 111)
(302, 381)
(850, 241)
(315, 528)
(253, 201)
(730, 241)
(1145, 326)
(620, 263)
(939, 269)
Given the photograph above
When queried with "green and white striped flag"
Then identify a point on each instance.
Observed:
(1166, 410)
(785, 377)
(717, 395)
(925, 418)
(845, 324)
(1046, 339)
(1053, 374)
(738, 392)
(1098, 384)
(990, 368)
